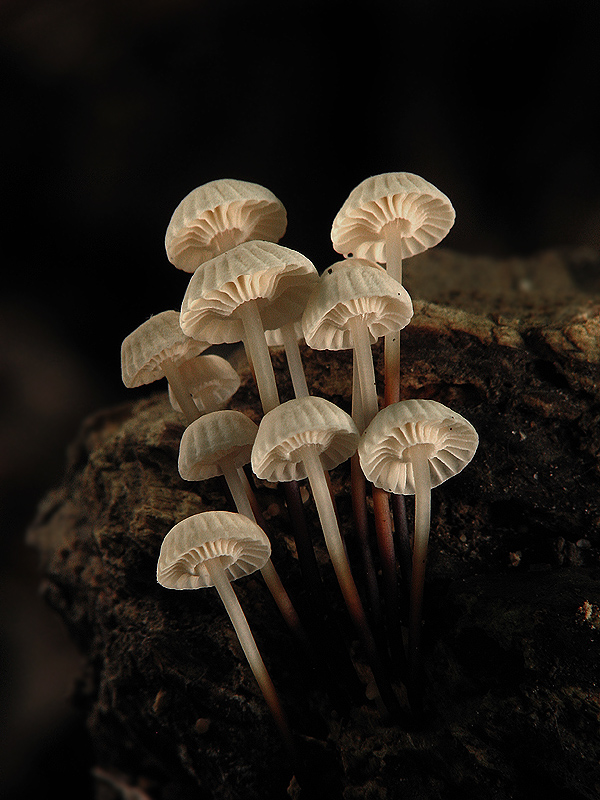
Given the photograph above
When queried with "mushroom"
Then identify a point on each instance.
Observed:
(214, 548)
(302, 438)
(220, 443)
(254, 287)
(219, 215)
(211, 381)
(155, 350)
(386, 218)
(354, 303)
(409, 448)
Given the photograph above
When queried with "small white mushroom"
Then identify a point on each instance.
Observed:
(211, 381)
(220, 443)
(394, 205)
(387, 218)
(409, 448)
(212, 549)
(303, 438)
(354, 303)
(254, 287)
(156, 349)
(219, 215)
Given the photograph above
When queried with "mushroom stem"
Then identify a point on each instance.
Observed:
(387, 554)
(179, 389)
(258, 354)
(419, 458)
(278, 592)
(393, 263)
(292, 354)
(217, 574)
(236, 487)
(361, 526)
(311, 459)
(364, 364)
(327, 633)
(394, 232)
(402, 537)
(359, 507)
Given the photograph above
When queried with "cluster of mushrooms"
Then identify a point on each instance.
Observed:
(247, 288)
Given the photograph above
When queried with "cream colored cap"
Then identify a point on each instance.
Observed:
(425, 214)
(154, 341)
(384, 449)
(276, 455)
(211, 380)
(238, 541)
(351, 288)
(278, 278)
(213, 437)
(220, 215)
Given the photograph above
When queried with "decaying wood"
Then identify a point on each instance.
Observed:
(512, 631)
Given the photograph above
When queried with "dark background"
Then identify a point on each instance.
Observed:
(113, 110)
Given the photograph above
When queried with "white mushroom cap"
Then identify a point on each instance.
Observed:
(212, 437)
(425, 214)
(211, 380)
(278, 278)
(241, 545)
(219, 215)
(384, 449)
(284, 431)
(349, 289)
(154, 341)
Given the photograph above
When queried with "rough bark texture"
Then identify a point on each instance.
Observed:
(512, 618)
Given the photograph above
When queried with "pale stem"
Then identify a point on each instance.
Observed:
(250, 495)
(238, 619)
(364, 363)
(420, 464)
(359, 504)
(393, 263)
(292, 354)
(311, 459)
(357, 406)
(258, 353)
(393, 232)
(236, 487)
(239, 492)
(180, 390)
(327, 516)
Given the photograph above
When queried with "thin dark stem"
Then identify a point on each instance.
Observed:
(385, 542)
(326, 632)
(361, 527)
(402, 539)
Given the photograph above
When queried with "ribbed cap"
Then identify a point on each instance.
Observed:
(155, 340)
(426, 214)
(292, 425)
(211, 380)
(212, 437)
(219, 215)
(384, 447)
(354, 288)
(239, 542)
(278, 278)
